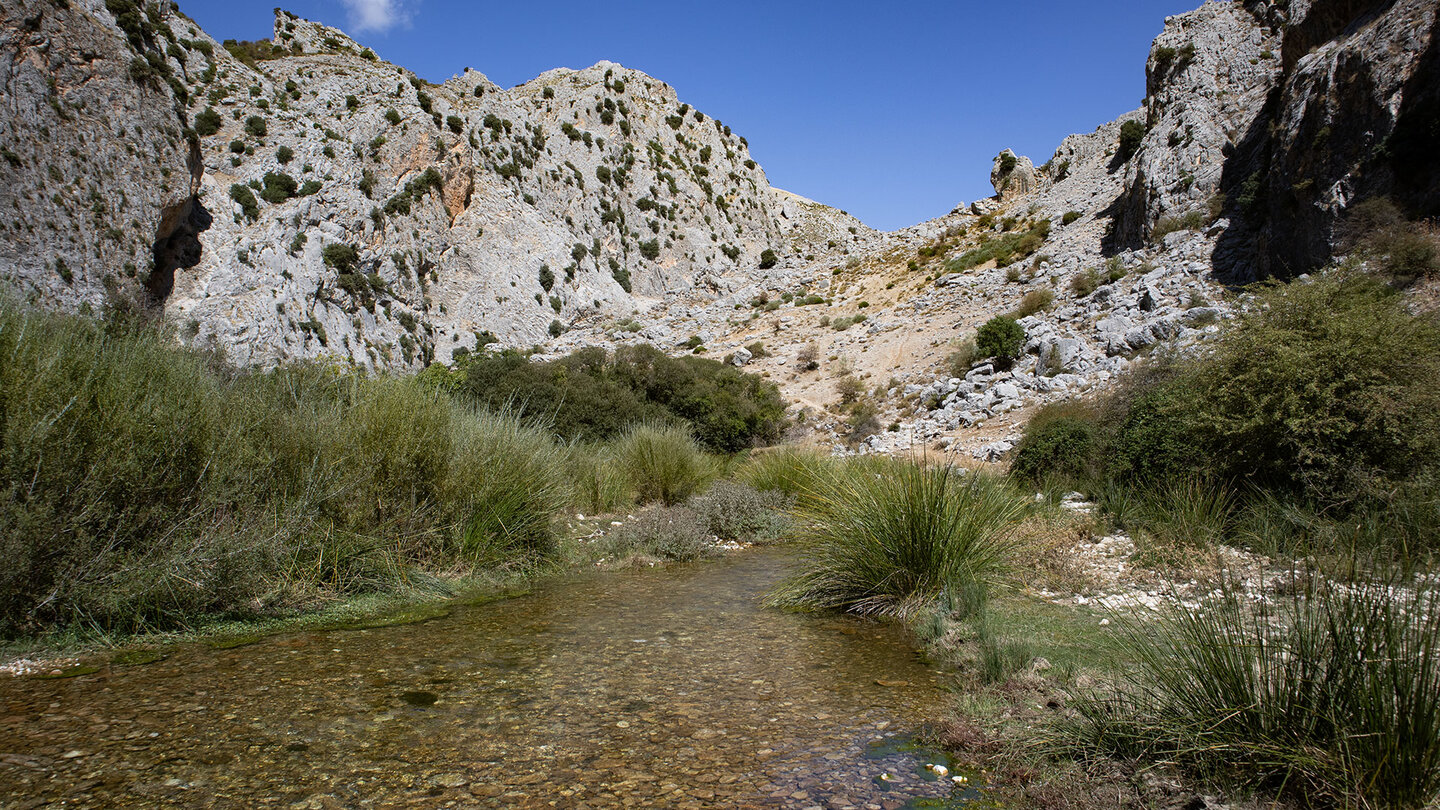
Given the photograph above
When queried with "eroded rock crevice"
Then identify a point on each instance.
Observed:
(177, 245)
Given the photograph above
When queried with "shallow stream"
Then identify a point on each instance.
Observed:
(654, 688)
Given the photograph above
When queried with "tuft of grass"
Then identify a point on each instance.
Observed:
(1034, 301)
(790, 471)
(663, 463)
(1331, 696)
(888, 537)
(598, 483)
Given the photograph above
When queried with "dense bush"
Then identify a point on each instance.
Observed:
(1000, 338)
(207, 122)
(1060, 441)
(278, 187)
(1323, 393)
(768, 259)
(1131, 134)
(594, 396)
(1403, 250)
(733, 511)
(673, 533)
(144, 485)
(249, 206)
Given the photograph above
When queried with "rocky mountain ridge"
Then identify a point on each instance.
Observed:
(306, 199)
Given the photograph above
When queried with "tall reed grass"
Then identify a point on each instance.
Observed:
(663, 463)
(146, 485)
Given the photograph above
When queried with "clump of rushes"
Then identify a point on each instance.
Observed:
(663, 463)
(1331, 696)
(788, 470)
(891, 537)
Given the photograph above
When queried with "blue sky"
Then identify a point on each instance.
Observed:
(891, 111)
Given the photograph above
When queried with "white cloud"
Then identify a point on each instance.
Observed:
(376, 15)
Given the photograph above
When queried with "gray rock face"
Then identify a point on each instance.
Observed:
(1207, 78)
(1357, 115)
(96, 173)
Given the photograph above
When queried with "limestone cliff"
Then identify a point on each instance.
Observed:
(97, 175)
(344, 207)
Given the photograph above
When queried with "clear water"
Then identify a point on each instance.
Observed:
(655, 688)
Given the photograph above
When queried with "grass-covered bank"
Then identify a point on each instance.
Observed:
(144, 486)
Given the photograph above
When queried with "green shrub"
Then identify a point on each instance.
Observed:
(1330, 389)
(341, 257)
(673, 533)
(278, 187)
(393, 116)
(249, 206)
(663, 463)
(791, 471)
(621, 276)
(892, 537)
(284, 154)
(255, 126)
(207, 122)
(650, 249)
(1070, 216)
(1061, 441)
(1331, 697)
(768, 259)
(1000, 338)
(1131, 134)
(736, 512)
(593, 396)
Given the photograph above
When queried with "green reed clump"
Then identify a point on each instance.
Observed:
(887, 537)
(663, 463)
(146, 485)
(1331, 695)
(788, 470)
(597, 481)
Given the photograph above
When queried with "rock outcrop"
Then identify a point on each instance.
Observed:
(301, 198)
(1355, 114)
(1012, 176)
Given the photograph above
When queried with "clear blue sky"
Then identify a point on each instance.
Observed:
(889, 110)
